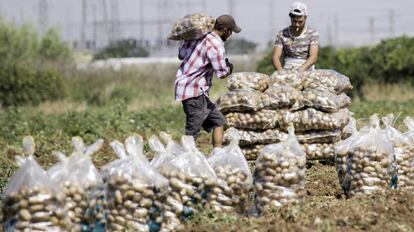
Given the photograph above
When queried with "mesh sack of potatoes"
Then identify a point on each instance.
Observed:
(248, 80)
(135, 190)
(312, 119)
(192, 27)
(234, 179)
(319, 150)
(403, 154)
(242, 100)
(324, 100)
(282, 96)
(82, 184)
(248, 137)
(279, 177)
(364, 161)
(326, 78)
(292, 78)
(172, 209)
(31, 200)
(191, 179)
(260, 120)
(251, 152)
(409, 124)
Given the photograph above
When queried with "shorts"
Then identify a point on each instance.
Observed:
(201, 113)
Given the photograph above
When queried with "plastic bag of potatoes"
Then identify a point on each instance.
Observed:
(85, 199)
(279, 177)
(349, 129)
(260, 120)
(192, 27)
(276, 135)
(248, 80)
(291, 78)
(32, 201)
(242, 100)
(364, 161)
(312, 119)
(324, 100)
(234, 179)
(403, 154)
(282, 96)
(319, 151)
(326, 78)
(135, 190)
(191, 179)
(164, 153)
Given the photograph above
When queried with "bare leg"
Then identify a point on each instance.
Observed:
(218, 136)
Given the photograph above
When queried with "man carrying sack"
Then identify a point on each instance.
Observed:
(200, 59)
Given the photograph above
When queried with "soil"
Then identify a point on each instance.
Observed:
(325, 208)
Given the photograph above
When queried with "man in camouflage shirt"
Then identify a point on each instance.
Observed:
(297, 43)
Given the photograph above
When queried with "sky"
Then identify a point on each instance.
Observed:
(339, 22)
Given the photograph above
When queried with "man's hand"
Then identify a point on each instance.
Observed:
(230, 65)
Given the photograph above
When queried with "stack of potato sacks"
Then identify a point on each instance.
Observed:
(261, 108)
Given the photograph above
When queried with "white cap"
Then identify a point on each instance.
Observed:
(298, 9)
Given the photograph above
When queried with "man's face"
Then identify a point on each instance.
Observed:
(298, 22)
(226, 35)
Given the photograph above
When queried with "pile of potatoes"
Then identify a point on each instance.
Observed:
(133, 205)
(36, 209)
(191, 27)
(286, 77)
(240, 101)
(319, 150)
(325, 100)
(281, 96)
(279, 179)
(232, 190)
(85, 206)
(248, 80)
(329, 79)
(264, 119)
(311, 119)
(364, 170)
(404, 158)
(187, 193)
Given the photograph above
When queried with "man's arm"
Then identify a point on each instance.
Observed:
(221, 66)
(313, 57)
(277, 54)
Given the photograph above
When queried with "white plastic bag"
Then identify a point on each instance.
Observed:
(326, 78)
(32, 200)
(248, 80)
(234, 177)
(135, 189)
(164, 154)
(350, 128)
(85, 200)
(292, 78)
(282, 96)
(324, 100)
(242, 100)
(260, 120)
(409, 123)
(403, 154)
(364, 160)
(279, 177)
(191, 178)
(318, 151)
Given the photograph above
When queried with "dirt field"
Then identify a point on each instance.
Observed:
(325, 209)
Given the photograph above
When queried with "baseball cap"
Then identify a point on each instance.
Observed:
(298, 9)
(228, 22)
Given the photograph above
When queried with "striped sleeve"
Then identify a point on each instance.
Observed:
(215, 53)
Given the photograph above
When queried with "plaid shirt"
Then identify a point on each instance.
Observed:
(200, 59)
